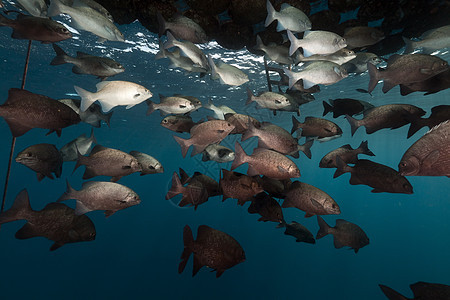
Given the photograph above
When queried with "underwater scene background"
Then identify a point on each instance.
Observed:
(137, 251)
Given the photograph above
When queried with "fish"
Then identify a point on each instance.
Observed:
(267, 207)
(265, 162)
(149, 164)
(218, 153)
(239, 186)
(178, 123)
(113, 93)
(346, 153)
(404, 69)
(56, 222)
(429, 155)
(98, 195)
(274, 137)
(345, 233)
(274, 187)
(103, 161)
(190, 50)
(317, 72)
(213, 248)
(421, 290)
(339, 57)
(219, 111)
(316, 42)
(92, 4)
(378, 176)
(269, 100)
(319, 128)
(82, 145)
(86, 18)
(240, 122)
(36, 8)
(439, 114)
(24, 110)
(194, 100)
(204, 134)
(391, 116)
(362, 36)
(194, 194)
(432, 85)
(345, 106)
(289, 18)
(102, 67)
(300, 232)
(312, 200)
(179, 61)
(432, 40)
(182, 28)
(39, 29)
(44, 159)
(92, 116)
(274, 52)
(211, 186)
(358, 64)
(227, 74)
(171, 105)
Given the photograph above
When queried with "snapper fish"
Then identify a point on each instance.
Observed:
(189, 50)
(239, 186)
(270, 100)
(362, 36)
(182, 28)
(421, 290)
(345, 106)
(92, 4)
(276, 53)
(431, 40)
(317, 72)
(149, 164)
(219, 111)
(319, 128)
(218, 153)
(81, 144)
(339, 57)
(267, 207)
(346, 153)
(316, 42)
(358, 64)
(178, 123)
(227, 74)
(179, 61)
(44, 159)
(113, 93)
(297, 230)
(171, 105)
(289, 18)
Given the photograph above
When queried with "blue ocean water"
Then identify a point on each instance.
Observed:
(137, 251)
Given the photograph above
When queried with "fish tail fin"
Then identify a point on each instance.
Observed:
(341, 167)
(240, 156)
(213, 68)
(364, 147)
(184, 144)
(270, 14)
(391, 294)
(326, 108)
(184, 177)
(295, 43)
(323, 228)
(161, 24)
(162, 52)
(354, 123)
(108, 119)
(306, 148)
(87, 98)
(61, 56)
(19, 209)
(68, 194)
(92, 137)
(188, 241)
(54, 9)
(170, 41)
(250, 96)
(374, 77)
(409, 45)
(79, 160)
(295, 125)
(177, 187)
(416, 125)
(293, 77)
(151, 107)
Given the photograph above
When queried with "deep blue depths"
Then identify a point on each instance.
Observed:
(137, 251)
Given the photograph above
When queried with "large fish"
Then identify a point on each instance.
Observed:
(421, 290)
(362, 36)
(267, 207)
(92, 116)
(297, 230)
(431, 40)
(113, 93)
(359, 63)
(339, 57)
(380, 177)
(276, 53)
(103, 161)
(270, 100)
(344, 233)
(179, 61)
(36, 29)
(319, 128)
(211, 186)
(178, 123)
(56, 222)
(182, 28)
(213, 248)
(345, 106)
(24, 110)
(316, 42)
(193, 194)
(102, 67)
(439, 114)
(81, 144)
(289, 18)
(44, 159)
(346, 153)
(240, 122)
(429, 155)
(239, 186)
(92, 4)
(96, 195)
(432, 85)
(227, 74)
(317, 72)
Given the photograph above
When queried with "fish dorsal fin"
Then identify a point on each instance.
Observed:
(26, 232)
(284, 6)
(83, 55)
(347, 146)
(305, 34)
(258, 150)
(81, 209)
(87, 184)
(54, 205)
(16, 95)
(102, 84)
(392, 59)
(98, 148)
(340, 222)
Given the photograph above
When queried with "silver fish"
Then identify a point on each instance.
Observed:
(218, 154)
(227, 74)
(188, 49)
(269, 100)
(339, 57)
(316, 42)
(317, 72)
(359, 63)
(219, 111)
(149, 164)
(81, 144)
(171, 105)
(431, 40)
(178, 61)
(289, 18)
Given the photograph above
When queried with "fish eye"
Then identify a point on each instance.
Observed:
(333, 205)
(64, 30)
(164, 121)
(403, 164)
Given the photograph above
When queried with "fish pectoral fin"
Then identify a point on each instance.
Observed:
(81, 209)
(316, 204)
(277, 101)
(26, 232)
(426, 71)
(109, 213)
(431, 159)
(282, 170)
(307, 84)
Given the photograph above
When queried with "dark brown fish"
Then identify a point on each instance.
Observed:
(404, 69)
(276, 188)
(267, 207)
(439, 114)
(346, 153)
(321, 129)
(391, 116)
(44, 30)
(429, 155)
(211, 186)
(193, 194)
(44, 159)
(240, 122)
(432, 85)
(380, 177)
(345, 106)
(300, 232)
(24, 110)
(213, 248)
(239, 186)
(310, 199)
(421, 290)
(266, 162)
(108, 162)
(56, 222)
(178, 123)
(344, 233)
